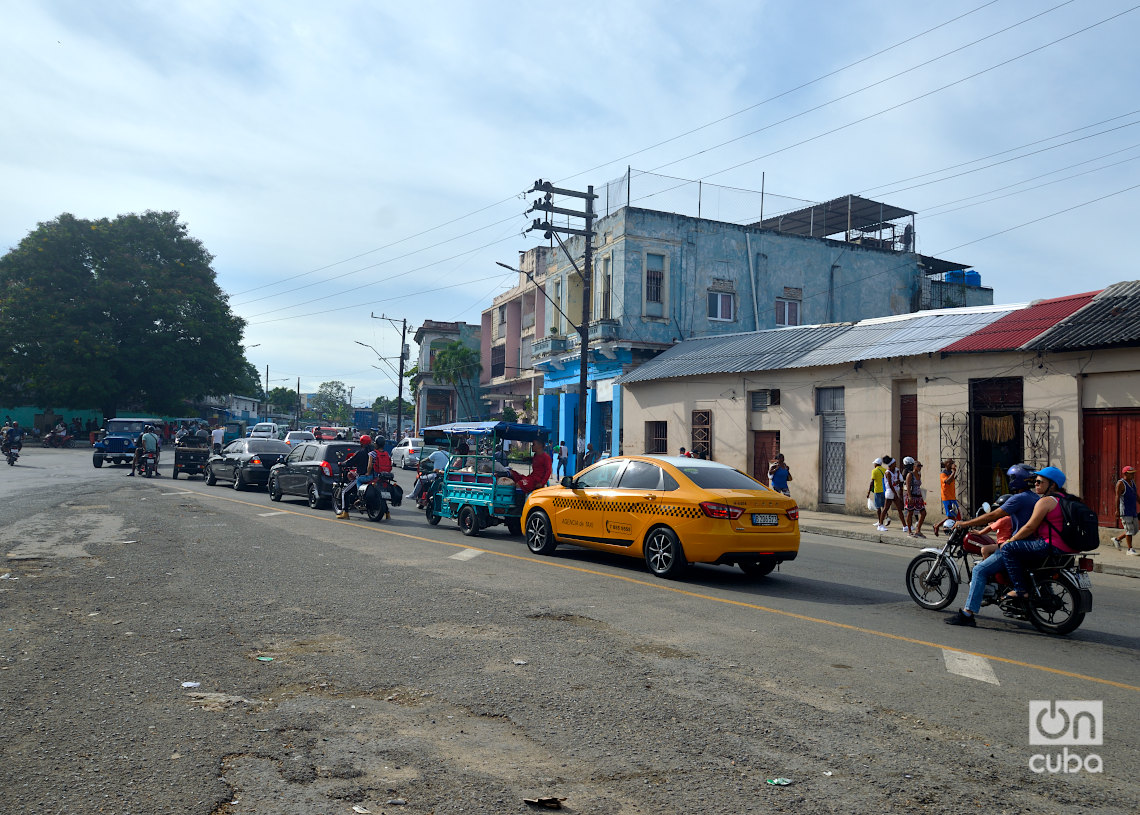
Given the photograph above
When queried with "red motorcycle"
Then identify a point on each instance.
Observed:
(57, 438)
(1060, 590)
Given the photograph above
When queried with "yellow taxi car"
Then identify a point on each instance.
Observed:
(670, 510)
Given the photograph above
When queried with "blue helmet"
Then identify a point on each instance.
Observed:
(1053, 474)
(1020, 478)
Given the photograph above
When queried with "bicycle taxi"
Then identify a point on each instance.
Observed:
(476, 489)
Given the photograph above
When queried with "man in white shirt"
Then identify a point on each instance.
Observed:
(217, 436)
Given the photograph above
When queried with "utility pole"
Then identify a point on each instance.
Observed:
(546, 204)
(400, 384)
(267, 393)
(298, 427)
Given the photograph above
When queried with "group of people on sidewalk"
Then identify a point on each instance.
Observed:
(901, 489)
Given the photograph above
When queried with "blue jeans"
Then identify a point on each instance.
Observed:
(1015, 553)
(981, 575)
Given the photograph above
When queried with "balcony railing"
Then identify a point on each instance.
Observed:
(548, 346)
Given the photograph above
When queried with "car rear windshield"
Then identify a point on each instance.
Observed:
(268, 446)
(118, 426)
(720, 478)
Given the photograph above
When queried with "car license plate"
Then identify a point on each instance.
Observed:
(764, 520)
(387, 496)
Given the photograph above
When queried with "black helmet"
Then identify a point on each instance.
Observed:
(1001, 500)
(1020, 478)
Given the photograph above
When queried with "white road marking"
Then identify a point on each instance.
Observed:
(969, 666)
(466, 554)
(270, 514)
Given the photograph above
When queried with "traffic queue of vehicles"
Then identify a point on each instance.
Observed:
(668, 511)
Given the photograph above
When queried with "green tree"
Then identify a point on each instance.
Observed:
(283, 398)
(115, 313)
(459, 366)
(331, 403)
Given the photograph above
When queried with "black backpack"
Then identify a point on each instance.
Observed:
(1080, 528)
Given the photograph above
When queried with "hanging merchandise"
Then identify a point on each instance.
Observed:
(997, 429)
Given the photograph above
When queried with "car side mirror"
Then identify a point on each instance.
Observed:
(567, 482)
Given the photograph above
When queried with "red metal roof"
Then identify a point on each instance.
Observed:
(1019, 327)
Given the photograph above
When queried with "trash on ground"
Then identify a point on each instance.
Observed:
(520, 662)
(361, 810)
(779, 782)
(8, 576)
(265, 659)
(191, 684)
(396, 802)
(828, 772)
(547, 802)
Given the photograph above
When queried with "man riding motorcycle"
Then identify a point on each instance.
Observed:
(1019, 508)
(148, 443)
(14, 436)
(368, 465)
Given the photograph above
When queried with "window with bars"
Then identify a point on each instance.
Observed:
(763, 399)
(654, 278)
(656, 437)
(498, 360)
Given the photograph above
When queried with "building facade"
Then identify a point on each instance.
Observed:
(661, 278)
(438, 402)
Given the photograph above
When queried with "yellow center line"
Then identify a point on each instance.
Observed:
(662, 586)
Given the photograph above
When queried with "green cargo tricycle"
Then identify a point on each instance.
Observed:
(475, 488)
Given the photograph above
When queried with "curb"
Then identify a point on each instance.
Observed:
(912, 543)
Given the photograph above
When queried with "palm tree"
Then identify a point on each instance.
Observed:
(459, 366)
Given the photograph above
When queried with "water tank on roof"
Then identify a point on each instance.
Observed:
(955, 277)
(973, 278)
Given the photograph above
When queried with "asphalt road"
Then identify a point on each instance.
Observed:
(347, 663)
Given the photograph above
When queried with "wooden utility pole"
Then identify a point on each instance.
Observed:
(546, 204)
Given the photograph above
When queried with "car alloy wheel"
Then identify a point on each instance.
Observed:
(539, 536)
(274, 490)
(663, 553)
(211, 479)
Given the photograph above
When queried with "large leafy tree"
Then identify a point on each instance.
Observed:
(459, 366)
(283, 398)
(115, 313)
(330, 404)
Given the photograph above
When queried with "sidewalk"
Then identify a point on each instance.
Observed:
(1106, 559)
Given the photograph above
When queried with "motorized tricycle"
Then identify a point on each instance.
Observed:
(475, 488)
(191, 452)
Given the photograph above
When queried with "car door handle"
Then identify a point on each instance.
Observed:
(650, 496)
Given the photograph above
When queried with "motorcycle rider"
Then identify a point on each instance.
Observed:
(439, 460)
(148, 442)
(1040, 535)
(14, 435)
(367, 464)
(1019, 509)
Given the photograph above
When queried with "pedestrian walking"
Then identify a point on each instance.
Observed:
(1126, 507)
(904, 493)
(948, 486)
(915, 500)
(779, 474)
(562, 453)
(876, 491)
(894, 488)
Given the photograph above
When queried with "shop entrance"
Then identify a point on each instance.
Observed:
(996, 433)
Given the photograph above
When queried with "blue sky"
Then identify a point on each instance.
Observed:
(369, 157)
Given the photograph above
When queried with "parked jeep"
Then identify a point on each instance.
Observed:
(118, 444)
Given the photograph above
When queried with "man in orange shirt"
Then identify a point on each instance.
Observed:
(948, 480)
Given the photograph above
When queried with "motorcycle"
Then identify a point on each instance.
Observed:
(1060, 592)
(56, 438)
(371, 501)
(148, 465)
(11, 452)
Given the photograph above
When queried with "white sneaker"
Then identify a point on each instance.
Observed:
(906, 529)
(880, 527)
(887, 522)
(1130, 552)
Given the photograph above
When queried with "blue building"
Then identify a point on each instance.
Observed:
(659, 278)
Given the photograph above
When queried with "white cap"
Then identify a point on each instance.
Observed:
(878, 461)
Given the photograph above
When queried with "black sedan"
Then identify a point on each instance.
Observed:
(312, 470)
(245, 462)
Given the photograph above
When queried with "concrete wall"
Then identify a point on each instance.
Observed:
(1055, 383)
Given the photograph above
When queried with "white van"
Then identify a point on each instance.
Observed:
(265, 430)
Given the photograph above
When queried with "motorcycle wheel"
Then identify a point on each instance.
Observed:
(930, 583)
(374, 509)
(1055, 608)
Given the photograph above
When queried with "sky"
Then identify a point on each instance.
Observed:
(349, 160)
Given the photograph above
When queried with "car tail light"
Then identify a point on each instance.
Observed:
(255, 460)
(326, 468)
(1085, 564)
(794, 514)
(715, 510)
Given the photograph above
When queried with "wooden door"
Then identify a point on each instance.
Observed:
(1112, 440)
(908, 426)
(765, 446)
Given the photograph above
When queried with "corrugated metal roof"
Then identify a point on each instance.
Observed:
(735, 353)
(902, 336)
(1019, 327)
(1112, 318)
